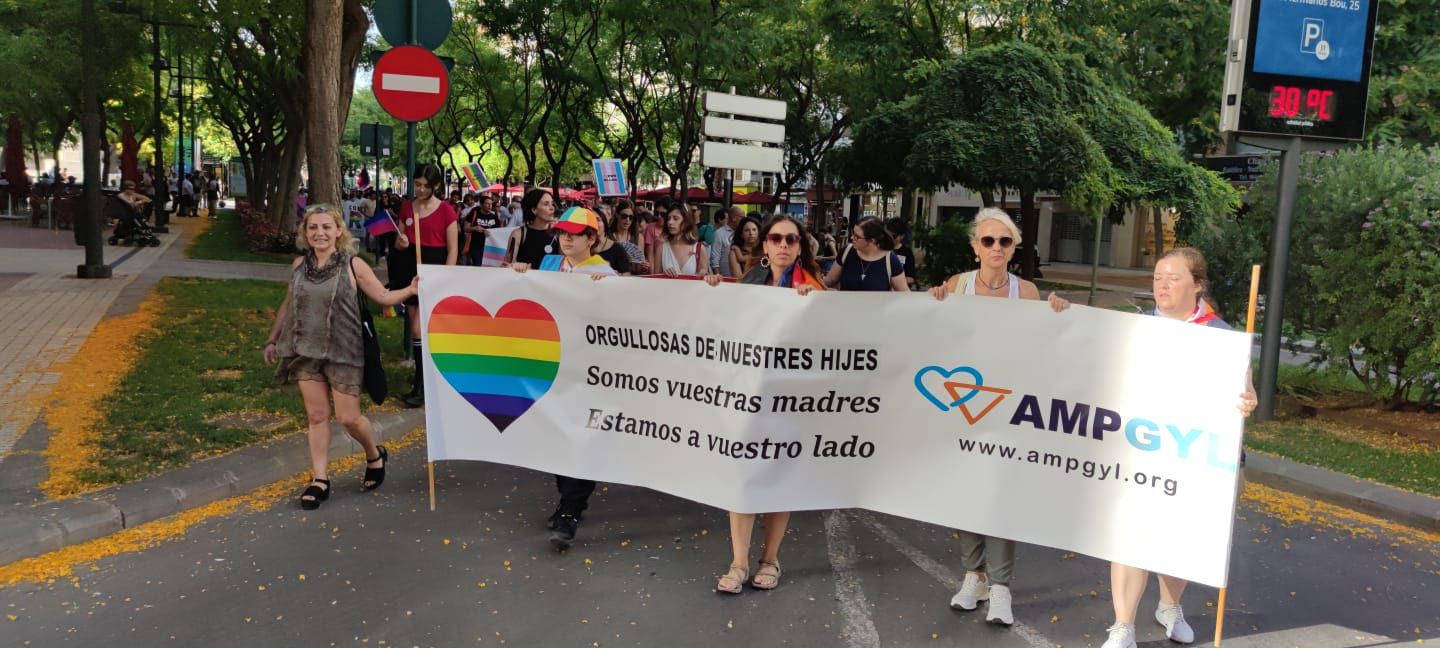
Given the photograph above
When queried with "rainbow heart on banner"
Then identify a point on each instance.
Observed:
(500, 364)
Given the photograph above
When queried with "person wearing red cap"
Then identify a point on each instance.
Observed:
(577, 233)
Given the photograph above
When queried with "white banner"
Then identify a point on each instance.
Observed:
(1104, 433)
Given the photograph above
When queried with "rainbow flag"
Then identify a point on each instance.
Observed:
(380, 223)
(475, 176)
(500, 365)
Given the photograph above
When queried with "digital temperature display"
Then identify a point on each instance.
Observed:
(1295, 102)
(1298, 68)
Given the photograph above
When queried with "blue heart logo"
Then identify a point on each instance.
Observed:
(937, 401)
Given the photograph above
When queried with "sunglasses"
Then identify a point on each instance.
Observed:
(787, 239)
(989, 241)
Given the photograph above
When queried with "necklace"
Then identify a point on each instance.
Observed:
(1003, 282)
(864, 268)
(317, 273)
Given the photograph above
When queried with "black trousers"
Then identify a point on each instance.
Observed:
(574, 494)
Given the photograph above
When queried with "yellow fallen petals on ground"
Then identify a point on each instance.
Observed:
(1294, 509)
(61, 563)
(85, 381)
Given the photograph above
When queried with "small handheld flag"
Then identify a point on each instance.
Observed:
(475, 176)
(380, 224)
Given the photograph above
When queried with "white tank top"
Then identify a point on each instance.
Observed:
(668, 261)
(970, 285)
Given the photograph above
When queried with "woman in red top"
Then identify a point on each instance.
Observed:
(439, 243)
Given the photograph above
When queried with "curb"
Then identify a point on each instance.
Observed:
(55, 525)
(1411, 509)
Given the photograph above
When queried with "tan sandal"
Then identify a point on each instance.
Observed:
(767, 577)
(729, 584)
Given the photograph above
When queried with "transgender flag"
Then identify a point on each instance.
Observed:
(475, 176)
(610, 177)
(495, 240)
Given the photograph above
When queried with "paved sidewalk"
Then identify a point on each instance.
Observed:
(49, 314)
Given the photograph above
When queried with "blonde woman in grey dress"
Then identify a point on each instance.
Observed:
(316, 342)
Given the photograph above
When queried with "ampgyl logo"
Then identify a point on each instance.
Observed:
(958, 394)
(964, 388)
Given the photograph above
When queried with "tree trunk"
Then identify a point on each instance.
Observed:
(1159, 216)
(352, 43)
(323, 20)
(1030, 231)
(281, 201)
(35, 150)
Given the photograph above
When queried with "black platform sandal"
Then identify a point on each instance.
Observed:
(375, 476)
(315, 494)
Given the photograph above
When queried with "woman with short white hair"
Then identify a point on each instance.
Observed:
(989, 561)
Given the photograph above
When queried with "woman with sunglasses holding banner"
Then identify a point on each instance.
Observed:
(989, 562)
(788, 262)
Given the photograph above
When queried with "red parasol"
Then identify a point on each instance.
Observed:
(15, 162)
(754, 198)
(129, 155)
(514, 189)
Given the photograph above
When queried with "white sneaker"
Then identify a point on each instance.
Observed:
(999, 609)
(1122, 635)
(972, 591)
(1173, 618)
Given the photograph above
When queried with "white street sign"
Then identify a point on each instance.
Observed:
(740, 129)
(719, 102)
(742, 156)
(410, 83)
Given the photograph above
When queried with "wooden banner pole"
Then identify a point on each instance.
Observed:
(1250, 331)
(430, 467)
(415, 244)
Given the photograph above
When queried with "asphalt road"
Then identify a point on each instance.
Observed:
(380, 569)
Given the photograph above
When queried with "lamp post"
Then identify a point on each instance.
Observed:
(157, 65)
(162, 189)
(87, 226)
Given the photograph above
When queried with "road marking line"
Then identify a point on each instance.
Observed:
(858, 628)
(941, 573)
(410, 83)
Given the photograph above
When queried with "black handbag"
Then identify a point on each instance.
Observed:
(373, 381)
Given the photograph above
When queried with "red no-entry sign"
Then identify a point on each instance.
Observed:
(410, 83)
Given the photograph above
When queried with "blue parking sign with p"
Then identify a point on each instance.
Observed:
(1322, 39)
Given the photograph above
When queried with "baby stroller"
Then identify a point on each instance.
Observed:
(130, 227)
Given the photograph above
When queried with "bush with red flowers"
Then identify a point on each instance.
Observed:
(262, 234)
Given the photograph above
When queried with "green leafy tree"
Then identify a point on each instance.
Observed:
(1405, 77)
(996, 118)
(1364, 254)
(42, 75)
